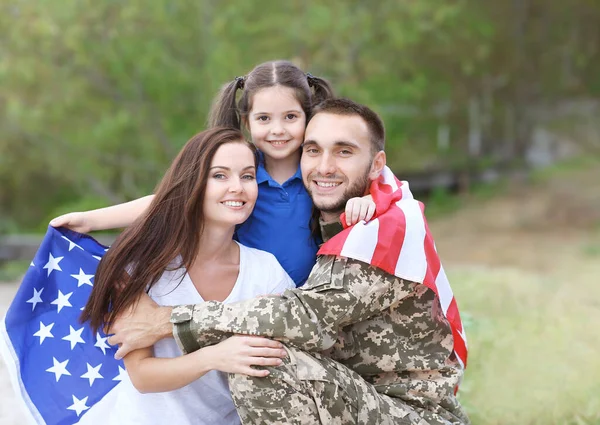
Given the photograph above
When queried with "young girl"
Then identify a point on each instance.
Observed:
(182, 251)
(275, 103)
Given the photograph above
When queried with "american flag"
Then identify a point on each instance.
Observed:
(59, 368)
(398, 241)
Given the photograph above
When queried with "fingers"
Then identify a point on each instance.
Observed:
(370, 211)
(265, 361)
(268, 352)
(256, 341)
(259, 373)
(122, 352)
(352, 211)
(60, 221)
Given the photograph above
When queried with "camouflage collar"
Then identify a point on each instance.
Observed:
(330, 229)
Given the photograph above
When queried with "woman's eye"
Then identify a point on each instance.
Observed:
(248, 177)
(219, 176)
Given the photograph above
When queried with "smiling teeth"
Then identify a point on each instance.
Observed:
(233, 203)
(323, 184)
(278, 143)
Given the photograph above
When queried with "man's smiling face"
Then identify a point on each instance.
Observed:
(337, 161)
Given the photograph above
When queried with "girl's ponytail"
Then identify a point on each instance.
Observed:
(321, 87)
(224, 111)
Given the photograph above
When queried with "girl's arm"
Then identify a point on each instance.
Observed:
(234, 355)
(121, 215)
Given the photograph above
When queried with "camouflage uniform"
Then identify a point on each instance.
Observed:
(380, 349)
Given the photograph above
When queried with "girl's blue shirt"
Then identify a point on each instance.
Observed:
(280, 224)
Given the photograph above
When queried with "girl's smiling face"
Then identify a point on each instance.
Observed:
(277, 122)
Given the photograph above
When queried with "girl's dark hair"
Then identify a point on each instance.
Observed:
(170, 227)
(310, 90)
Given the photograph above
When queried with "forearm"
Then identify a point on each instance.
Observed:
(116, 216)
(309, 318)
(305, 319)
(151, 374)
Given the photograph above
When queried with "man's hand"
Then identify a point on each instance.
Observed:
(141, 326)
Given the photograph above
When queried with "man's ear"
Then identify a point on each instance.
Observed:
(377, 165)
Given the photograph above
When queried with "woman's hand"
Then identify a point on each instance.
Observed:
(238, 353)
(76, 221)
(358, 209)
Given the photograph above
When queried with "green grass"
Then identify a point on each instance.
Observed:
(534, 347)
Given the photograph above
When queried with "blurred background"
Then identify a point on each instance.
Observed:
(492, 110)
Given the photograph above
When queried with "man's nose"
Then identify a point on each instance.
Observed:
(326, 165)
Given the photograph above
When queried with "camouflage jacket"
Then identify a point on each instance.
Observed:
(390, 331)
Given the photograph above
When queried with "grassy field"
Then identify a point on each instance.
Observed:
(525, 267)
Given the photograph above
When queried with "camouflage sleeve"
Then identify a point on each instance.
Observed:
(339, 292)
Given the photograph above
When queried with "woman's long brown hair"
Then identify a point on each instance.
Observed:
(171, 226)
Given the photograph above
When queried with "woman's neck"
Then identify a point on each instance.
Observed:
(281, 170)
(216, 245)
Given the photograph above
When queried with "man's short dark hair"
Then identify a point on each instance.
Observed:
(342, 106)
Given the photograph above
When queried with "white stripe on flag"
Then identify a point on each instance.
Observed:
(361, 241)
(412, 262)
(444, 290)
(406, 193)
(389, 178)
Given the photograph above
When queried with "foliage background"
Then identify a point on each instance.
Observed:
(98, 96)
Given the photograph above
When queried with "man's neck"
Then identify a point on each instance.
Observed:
(327, 217)
(330, 228)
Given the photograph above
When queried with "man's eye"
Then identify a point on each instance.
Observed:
(312, 151)
(346, 152)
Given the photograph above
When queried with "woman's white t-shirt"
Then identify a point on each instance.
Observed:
(206, 400)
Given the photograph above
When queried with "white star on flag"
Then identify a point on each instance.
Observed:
(122, 374)
(36, 298)
(52, 264)
(74, 337)
(78, 405)
(59, 369)
(92, 373)
(44, 332)
(83, 279)
(31, 264)
(72, 244)
(101, 343)
(62, 300)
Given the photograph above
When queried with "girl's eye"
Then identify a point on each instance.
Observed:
(262, 118)
(291, 116)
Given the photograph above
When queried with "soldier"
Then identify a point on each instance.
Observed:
(374, 336)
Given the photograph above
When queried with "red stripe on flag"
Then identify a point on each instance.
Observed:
(433, 260)
(389, 242)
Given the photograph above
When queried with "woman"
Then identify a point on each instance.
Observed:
(181, 251)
